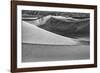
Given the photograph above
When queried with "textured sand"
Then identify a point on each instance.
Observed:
(36, 53)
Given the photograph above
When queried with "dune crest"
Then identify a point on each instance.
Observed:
(35, 35)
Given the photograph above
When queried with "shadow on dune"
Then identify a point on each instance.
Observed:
(65, 26)
(68, 28)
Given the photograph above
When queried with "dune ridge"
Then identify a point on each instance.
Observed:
(35, 35)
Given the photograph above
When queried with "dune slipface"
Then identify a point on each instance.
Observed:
(65, 26)
(35, 35)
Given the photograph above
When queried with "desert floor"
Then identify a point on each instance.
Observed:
(37, 53)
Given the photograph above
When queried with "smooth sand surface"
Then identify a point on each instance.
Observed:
(37, 53)
(35, 35)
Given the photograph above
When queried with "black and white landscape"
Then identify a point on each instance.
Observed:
(55, 36)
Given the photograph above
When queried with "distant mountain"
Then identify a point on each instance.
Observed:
(34, 35)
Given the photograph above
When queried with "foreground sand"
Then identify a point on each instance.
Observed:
(37, 53)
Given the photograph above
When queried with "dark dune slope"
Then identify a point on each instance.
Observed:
(67, 28)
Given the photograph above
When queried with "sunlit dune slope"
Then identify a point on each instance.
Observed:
(35, 35)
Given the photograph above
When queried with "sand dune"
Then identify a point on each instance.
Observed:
(35, 35)
(43, 20)
(65, 26)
